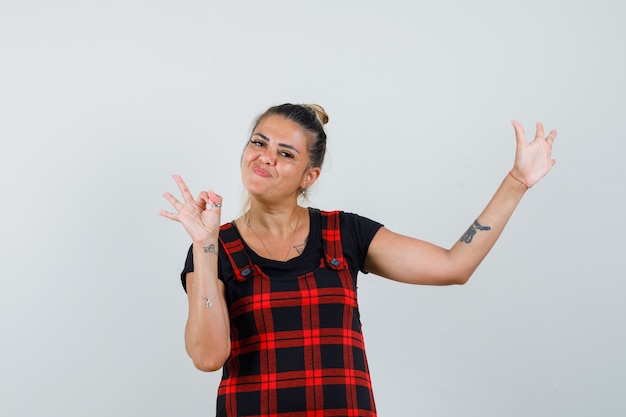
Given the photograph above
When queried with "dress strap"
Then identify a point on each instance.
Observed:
(331, 235)
(233, 247)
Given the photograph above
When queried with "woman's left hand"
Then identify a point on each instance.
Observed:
(532, 160)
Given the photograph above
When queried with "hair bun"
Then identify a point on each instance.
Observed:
(321, 114)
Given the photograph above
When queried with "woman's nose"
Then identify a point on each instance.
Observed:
(268, 157)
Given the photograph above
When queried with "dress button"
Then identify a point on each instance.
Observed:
(245, 272)
(335, 262)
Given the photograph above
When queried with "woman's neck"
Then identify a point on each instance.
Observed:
(275, 234)
(273, 220)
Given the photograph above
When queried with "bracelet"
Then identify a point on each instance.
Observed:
(518, 180)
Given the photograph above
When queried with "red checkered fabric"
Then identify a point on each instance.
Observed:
(297, 346)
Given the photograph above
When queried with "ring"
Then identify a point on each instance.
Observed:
(216, 205)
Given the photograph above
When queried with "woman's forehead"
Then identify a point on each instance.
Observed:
(278, 128)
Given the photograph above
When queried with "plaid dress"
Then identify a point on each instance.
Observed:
(297, 346)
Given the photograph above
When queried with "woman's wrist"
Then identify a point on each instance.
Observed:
(206, 246)
(519, 179)
(205, 240)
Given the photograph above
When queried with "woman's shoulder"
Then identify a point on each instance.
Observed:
(347, 219)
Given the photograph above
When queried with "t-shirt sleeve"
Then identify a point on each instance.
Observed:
(187, 268)
(357, 233)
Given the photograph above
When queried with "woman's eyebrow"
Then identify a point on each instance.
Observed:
(284, 145)
(262, 136)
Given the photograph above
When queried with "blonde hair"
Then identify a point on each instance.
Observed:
(320, 113)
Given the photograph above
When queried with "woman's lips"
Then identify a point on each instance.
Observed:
(261, 172)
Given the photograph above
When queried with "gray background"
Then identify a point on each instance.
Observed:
(100, 102)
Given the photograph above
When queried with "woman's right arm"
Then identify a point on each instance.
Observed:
(207, 333)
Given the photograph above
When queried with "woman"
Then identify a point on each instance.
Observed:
(272, 294)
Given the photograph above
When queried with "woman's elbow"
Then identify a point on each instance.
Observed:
(452, 280)
(455, 277)
(209, 363)
(462, 280)
(457, 273)
(462, 277)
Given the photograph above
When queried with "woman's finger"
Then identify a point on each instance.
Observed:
(187, 197)
(550, 138)
(214, 200)
(174, 201)
(540, 133)
(169, 215)
(519, 134)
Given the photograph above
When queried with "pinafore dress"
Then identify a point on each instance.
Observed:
(296, 342)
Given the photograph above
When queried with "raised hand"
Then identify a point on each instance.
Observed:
(200, 217)
(533, 160)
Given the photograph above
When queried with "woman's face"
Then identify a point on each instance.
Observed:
(275, 161)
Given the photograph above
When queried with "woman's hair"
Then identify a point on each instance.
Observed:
(312, 118)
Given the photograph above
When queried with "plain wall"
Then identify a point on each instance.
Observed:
(100, 102)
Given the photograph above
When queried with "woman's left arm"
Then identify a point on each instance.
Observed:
(414, 261)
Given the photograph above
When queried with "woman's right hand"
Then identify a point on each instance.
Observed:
(200, 217)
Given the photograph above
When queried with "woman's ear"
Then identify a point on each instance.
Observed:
(310, 176)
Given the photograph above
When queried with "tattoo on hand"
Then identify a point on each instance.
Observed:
(210, 249)
(471, 231)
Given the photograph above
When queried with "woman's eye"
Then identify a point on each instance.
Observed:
(257, 143)
(286, 154)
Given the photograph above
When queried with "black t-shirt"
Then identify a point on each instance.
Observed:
(357, 233)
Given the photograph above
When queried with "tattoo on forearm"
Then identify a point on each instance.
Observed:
(471, 231)
(210, 249)
(208, 301)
